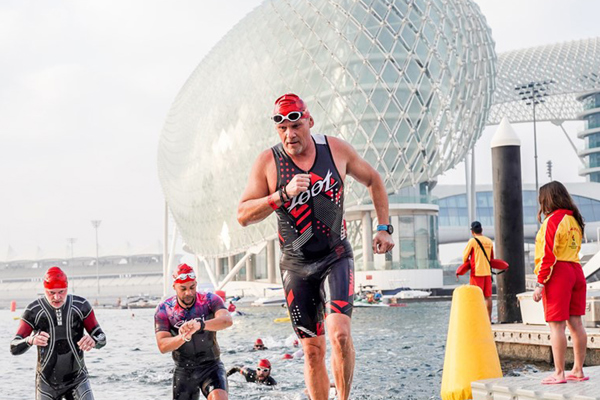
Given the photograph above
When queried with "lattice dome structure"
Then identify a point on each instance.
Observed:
(559, 72)
(408, 83)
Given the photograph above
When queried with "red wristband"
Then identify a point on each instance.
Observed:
(272, 202)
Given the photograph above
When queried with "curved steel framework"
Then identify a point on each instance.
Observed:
(559, 73)
(408, 83)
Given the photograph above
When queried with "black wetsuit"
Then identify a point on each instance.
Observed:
(251, 376)
(61, 371)
(197, 363)
(312, 236)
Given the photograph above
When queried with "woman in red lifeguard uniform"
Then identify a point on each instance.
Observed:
(560, 280)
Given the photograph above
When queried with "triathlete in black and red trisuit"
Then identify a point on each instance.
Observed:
(302, 180)
(59, 335)
(312, 235)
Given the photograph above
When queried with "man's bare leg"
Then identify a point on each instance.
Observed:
(342, 353)
(315, 371)
(488, 304)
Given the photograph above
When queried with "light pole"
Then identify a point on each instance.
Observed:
(71, 243)
(532, 94)
(96, 224)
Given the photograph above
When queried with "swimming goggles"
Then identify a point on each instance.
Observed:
(292, 116)
(263, 369)
(182, 277)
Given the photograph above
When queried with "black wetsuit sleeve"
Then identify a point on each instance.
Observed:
(19, 343)
(233, 370)
(270, 381)
(249, 374)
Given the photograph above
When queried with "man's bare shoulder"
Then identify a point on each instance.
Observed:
(340, 146)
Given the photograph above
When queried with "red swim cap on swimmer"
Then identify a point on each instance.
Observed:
(288, 103)
(264, 363)
(287, 356)
(55, 278)
(258, 341)
(184, 273)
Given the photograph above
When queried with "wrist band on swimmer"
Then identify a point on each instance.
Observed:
(202, 325)
(287, 196)
(272, 202)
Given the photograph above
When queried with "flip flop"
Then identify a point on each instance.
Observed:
(571, 377)
(550, 380)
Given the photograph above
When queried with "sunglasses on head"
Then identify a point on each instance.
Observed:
(263, 369)
(292, 117)
(182, 277)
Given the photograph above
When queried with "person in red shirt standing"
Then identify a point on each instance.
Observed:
(481, 270)
(560, 280)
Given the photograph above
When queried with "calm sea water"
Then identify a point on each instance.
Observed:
(399, 355)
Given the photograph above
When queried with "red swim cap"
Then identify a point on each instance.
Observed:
(55, 278)
(258, 341)
(288, 103)
(264, 363)
(184, 273)
(287, 356)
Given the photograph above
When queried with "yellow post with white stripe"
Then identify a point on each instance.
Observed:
(471, 353)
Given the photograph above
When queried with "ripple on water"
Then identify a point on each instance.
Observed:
(399, 355)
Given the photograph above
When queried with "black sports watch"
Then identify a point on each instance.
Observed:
(388, 228)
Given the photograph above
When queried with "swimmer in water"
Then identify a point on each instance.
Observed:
(261, 375)
(63, 327)
(259, 345)
(186, 325)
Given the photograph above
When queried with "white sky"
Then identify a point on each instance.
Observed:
(85, 87)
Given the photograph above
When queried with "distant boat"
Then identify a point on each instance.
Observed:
(269, 302)
(411, 294)
(141, 301)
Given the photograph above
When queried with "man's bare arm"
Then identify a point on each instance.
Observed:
(167, 343)
(254, 205)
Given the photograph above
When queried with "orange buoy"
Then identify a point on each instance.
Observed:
(13, 306)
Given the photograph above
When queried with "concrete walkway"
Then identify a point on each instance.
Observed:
(530, 388)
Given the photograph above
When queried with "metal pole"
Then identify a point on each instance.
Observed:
(166, 252)
(71, 242)
(508, 216)
(473, 187)
(537, 184)
(468, 187)
(96, 224)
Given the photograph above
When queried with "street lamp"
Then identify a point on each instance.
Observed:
(96, 224)
(532, 94)
(71, 243)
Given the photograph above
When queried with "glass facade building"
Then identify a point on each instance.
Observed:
(454, 212)
(591, 135)
(407, 83)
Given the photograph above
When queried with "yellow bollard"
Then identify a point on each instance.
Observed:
(471, 353)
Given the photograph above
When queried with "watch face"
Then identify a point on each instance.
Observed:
(390, 229)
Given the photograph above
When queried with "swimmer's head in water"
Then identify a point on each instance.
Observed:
(259, 345)
(263, 369)
(55, 287)
(184, 283)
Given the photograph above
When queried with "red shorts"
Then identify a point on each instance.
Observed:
(565, 292)
(484, 282)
